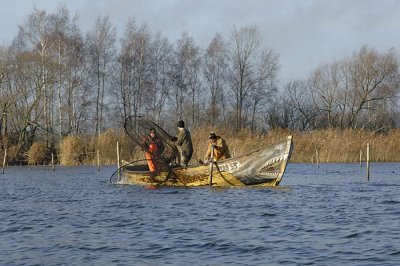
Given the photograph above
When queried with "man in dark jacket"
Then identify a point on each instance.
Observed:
(184, 141)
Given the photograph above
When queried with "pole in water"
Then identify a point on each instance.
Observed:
(98, 160)
(4, 160)
(119, 174)
(368, 161)
(52, 162)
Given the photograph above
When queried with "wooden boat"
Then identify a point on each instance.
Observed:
(261, 167)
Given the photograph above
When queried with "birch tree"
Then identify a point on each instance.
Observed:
(185, 75)
(101, 53)
(159, 67)
(34, 42)
(215, 74)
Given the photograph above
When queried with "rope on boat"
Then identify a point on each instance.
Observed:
(219, 171)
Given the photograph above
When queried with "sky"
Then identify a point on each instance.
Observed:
(305, 33)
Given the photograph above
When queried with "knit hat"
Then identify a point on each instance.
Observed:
(181, 124)
(212, 136)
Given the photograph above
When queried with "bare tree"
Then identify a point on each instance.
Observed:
(101, 55)
(66, 51)
(184, 73)
(327, 83)
(373, 79)
(298, 97)
(24, 89)
(349, 93)
(245, 43)
(33, 38)
(7, 96)
(159, 67)
(252, 67)
(126, 61)
(34, 41)
(280, 115)
(142, 57)
(76, 96)
(194, 82)
(136, 77)
(215, 74)
(265, 87)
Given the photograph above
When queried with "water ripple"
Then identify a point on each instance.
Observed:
(326, 216)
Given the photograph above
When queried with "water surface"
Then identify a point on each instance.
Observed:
(329, 215)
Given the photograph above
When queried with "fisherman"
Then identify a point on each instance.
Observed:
(153, 147)
(218, 144)
(184, 141)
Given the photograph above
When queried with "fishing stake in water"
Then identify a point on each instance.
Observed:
(368, 161)
(4, 160)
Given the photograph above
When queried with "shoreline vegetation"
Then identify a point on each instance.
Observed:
(331, 146)
(65, 94)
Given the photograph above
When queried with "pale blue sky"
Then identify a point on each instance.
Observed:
(306, 33)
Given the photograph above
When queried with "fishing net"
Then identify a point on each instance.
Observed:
(137, 128)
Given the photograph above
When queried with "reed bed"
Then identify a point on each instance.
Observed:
(336, 146)
(38, 154)
(91, 150)
(331, 146)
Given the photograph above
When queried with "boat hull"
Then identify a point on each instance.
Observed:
(261, 167)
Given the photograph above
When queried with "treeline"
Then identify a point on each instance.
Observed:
(56, 81)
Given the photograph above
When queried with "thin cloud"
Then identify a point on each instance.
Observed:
(305, 33)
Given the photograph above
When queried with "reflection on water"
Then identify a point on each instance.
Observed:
(329, 215)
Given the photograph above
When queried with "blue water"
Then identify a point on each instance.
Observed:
(329, 215)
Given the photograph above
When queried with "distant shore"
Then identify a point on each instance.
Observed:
(325, 146)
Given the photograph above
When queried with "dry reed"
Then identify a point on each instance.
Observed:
(331, 145)
(75, 150)
(12, 154)
(38, 154)
(71, 151)
(107, 146)
(345, 145)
